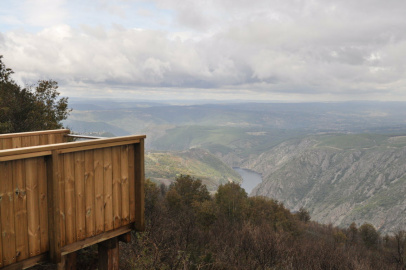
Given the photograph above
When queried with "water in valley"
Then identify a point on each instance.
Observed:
(250, 179)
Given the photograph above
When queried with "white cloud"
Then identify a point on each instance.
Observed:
(281, 47)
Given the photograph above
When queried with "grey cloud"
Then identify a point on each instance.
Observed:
(319, 47)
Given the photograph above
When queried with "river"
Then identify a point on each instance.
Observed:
(250, 179)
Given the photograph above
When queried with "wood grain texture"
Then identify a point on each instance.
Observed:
(20, 210)
(34, 235)
(43, 204)
(7, 213)
(125, 192)
(80, 195)
(116, 157)
(70, 202)
(54, 219)
(90, 193)
(99, 190)
(131, 180)
(108, 190)
(139, 186)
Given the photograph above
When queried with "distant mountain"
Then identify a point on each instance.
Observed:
(339, 178)
(164, 167)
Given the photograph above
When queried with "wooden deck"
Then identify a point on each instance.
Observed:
(58, 197)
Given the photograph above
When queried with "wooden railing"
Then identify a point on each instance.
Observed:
(26, 139)
(56, 199)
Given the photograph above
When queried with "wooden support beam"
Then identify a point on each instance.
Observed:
(68, 262)
(126, 238)
(109, 254)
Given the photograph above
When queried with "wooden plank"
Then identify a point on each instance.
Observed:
(54, 218)
(96, 239)
(27, 263)
(20, 208)
(109, 254)
(95, 146)
(51, 138)
(131, 180)
(139, 186)
(34, 237)
(74, 146)
(116, 153)
(43, 139)
(70, 202)
(23, 134)
(61, 177)
(90, 193)
(34, 140)
(125, 192)
(43, 203)
(16, 142)
(99, 190)
(80, 195)
(27, 155)
(7, 143)
(7, 213)
(26, 141)
(108, 190)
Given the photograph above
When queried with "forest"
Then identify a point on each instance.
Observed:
(187, 228)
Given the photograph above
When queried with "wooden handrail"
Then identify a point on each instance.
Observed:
(68, 147)
(43, 132)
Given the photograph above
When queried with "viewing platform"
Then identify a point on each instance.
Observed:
(57, 197)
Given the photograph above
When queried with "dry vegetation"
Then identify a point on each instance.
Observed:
(189, 229)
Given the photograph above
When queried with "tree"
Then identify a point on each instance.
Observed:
(369, 235)
(36, 107)
(185, 191)
(232, 201)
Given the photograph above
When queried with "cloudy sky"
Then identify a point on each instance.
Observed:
(301, 50)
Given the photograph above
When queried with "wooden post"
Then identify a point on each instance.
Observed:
(109, 254)
(54, 221)
(139, 185)
(68, 262)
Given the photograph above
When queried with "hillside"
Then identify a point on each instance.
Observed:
(339, 178)
(164, 167)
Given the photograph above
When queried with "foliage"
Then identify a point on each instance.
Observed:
(36, 107)
(233, 231)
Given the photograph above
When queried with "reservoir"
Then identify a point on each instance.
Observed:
(250, 179)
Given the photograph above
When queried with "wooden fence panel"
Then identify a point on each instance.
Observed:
(90, 193)
(80, 195)
(7, 213)
(116, 154)
(108, 190)
(70, 202)
(26, 139)
(34, 237)
(98, 195)
(43, 203)
(20, 208)
(125, 192)
(62, 198)
(99, 190)
(131, 181)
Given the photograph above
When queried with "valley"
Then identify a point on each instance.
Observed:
(341, 161)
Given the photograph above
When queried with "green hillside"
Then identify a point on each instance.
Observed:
(164, 167)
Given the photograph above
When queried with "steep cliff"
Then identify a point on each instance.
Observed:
(339, 178)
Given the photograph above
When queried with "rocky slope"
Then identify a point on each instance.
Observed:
(339, 178)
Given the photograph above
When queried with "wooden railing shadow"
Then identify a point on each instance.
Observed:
(58, 197)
